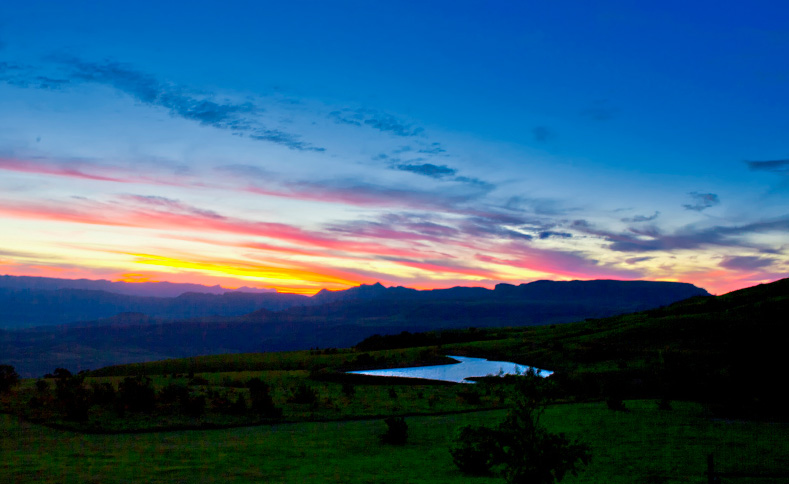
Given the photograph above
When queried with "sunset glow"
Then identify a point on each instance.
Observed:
(297, 148)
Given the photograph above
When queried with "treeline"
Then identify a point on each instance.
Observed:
(435, 338)
(72, 398)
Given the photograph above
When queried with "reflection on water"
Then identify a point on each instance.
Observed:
(457, 372)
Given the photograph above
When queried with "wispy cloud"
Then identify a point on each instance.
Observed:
(773, 166)
(94, 170)
(427, 169)
(376, 120)
(354, 191)
(548, 234)
(561, 263)
(166, 215)
(242, 119)
(642, 218)
(26, 76)
(652, 239)
(746, 263)
(701, 201)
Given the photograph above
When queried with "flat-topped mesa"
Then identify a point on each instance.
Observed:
(657, 292)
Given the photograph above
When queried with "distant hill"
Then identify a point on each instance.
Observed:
(144, 289)
(725, 351)
(24, 308)
(36, 301)
(206, 324)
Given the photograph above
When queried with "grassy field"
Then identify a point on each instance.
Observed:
(643, 445)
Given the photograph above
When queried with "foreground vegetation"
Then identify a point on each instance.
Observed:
(651, 393)
(644, 444)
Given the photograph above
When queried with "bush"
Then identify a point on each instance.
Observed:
(194, 406)
(42, 386)
(520, 448)
(262, 403)
(72, 396)
(396, 431)
(348, 389)
(475, 450)
(136, 394)
(303, 394)
(102, 393)
(8, 378)
(174, 393)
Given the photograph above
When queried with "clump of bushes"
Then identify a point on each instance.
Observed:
(396, 431)
(520, 448)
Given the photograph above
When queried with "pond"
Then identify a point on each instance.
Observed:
(457, 372)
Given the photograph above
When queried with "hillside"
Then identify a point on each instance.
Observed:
(214, 326)
(723, 352)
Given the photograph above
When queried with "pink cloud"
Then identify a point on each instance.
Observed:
(87, 170)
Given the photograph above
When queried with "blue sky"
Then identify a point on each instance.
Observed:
(303, 145)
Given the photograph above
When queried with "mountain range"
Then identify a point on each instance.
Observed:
(86, 329)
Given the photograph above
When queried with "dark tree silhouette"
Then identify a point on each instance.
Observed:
(261, 401)
(8, 378)
(137, 394)
(520, 449)
(396, 431)
(72, 396)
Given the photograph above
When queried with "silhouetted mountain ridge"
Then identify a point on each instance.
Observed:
(27, 305)
(144, 289)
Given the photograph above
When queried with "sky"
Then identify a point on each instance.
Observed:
(305, 145)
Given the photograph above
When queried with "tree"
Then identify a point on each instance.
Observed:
(261, 401)
(72, 396)
(137, 394)
(475, 450)
(520, 448)
(8, 378)
(396, 431)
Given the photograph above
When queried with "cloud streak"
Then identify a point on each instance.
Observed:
(746, 263)
(702, 201)
(376, 120)
(772, 166)
(652, 239)
(242, 119)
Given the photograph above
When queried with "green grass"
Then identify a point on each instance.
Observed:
(643, 445)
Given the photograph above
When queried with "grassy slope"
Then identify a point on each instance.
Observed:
(643, 445)
(707, 338)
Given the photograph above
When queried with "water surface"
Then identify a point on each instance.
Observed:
(457, 372)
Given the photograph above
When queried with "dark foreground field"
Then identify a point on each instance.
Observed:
(643, 445)
(715, 363)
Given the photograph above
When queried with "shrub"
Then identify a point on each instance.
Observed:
(72, 397)
(102, 393)
(475, 450)
(194, 406)
(137, 394)
(520, 448)
(42, 386)
(239, 407)
(303, 393)
(348, 389)
(396, 431)
(8, 378)
(173, 393)
(262, 403)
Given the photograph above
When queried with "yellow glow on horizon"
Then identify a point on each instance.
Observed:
(136, 278)
(275, 276)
